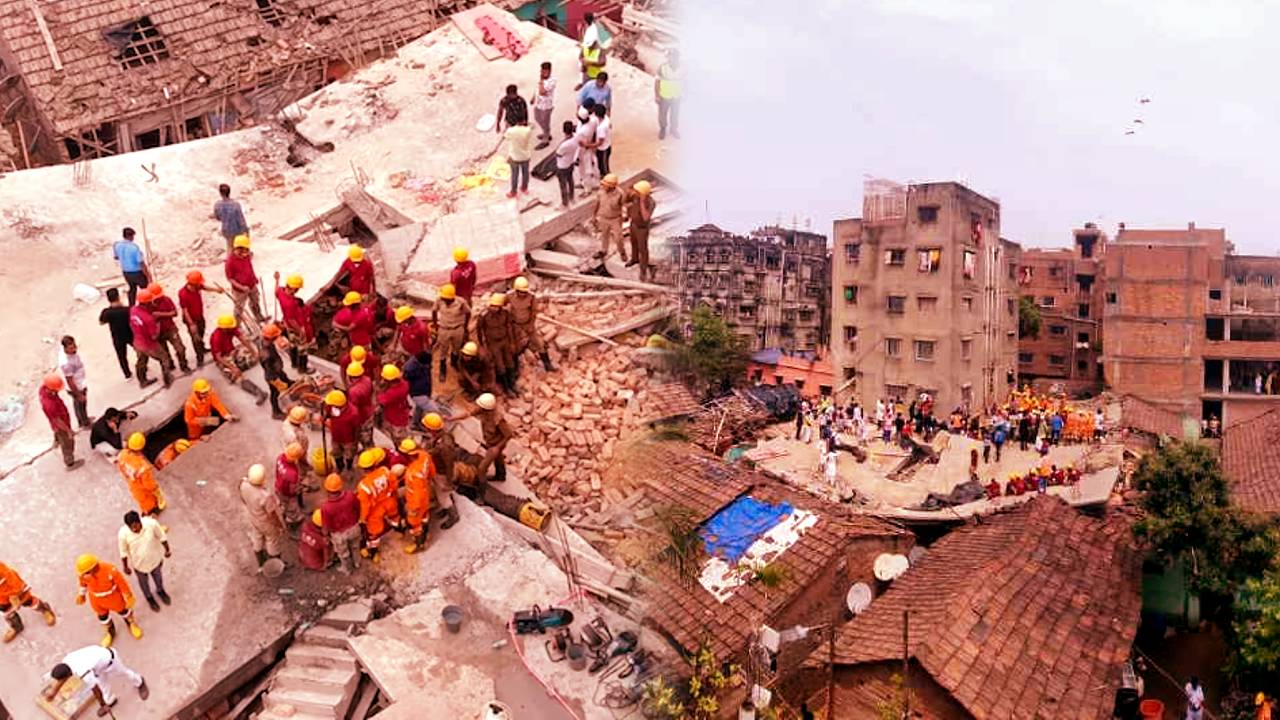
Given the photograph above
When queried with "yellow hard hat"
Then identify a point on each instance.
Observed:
(182, 445)
(470, 349)
(355, 253)
(521, 283)
(460, 254)
(355, 369)
(351, 298)
(404, 312)
(643, 187)
(487, 401)
(298, 414)
(448, 291)
(201, 385)
(497, 300)
(609, 180)
(241, 241)
(317, 518)
(336, 398)
(358, 353)
(257, 474)
(390, 372)
(408, 445)
(137, 441)
(293, 451)
(227, 322)
(433, 421)
(371, 457)
(1261, 698)
(294, 281)
(85, 563)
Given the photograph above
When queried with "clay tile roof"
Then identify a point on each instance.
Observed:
(1024, 615)
(1137, 414)
(684, 610)
(667, 400)
(1251, 460)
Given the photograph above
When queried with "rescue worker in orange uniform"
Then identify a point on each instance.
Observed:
(171, 452)
(419, 474)
(198, 411)
(15, 594)
(377, 495)
(107, 591)
(140, 475)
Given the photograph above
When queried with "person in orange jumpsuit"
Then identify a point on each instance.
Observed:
(377, 495)
(15, 594)
(419, 473)
(107, 591)
(171, 452)
(140, 474)
(198, 411)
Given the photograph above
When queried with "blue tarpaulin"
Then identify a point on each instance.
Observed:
(729, 533)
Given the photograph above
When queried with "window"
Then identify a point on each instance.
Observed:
(145, 45)
(897, 304)
(746, 312)
(1214, 294)
(1082, 365)
(851, 294)
(1082, 310)
(897, 392)
(967, 302)
(895, 257)
(725, 254)
(1086, 245)
(893, 347)
(925, 303)
(269, 12)
(1057, 329)
(852, 251)
(929, 260)
(970, 264)
(1082, 337)
(927, 213)
(1057, 360)
(1013, 271)
(850, 333)
(1047, 301)
(1111, 297)
(1055, 271)
(1012, 306)
(1268, 280)
(849, 373)
(966, 348)
(1026, 357)
(924, 349)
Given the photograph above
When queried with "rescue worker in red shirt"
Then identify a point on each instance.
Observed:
(15, 594)
(192, 305)
(340, 514)
(108, 592)
(463, 275)
(243, 279)
(55, 410)
(298, 326)
(360, 354)
(166, 314)
(411, 335)
(360, 394)
(419, 474)
(233, 356)
(146, 341)
(377, 495)
(289, 483)
(355, 320)
(356, 273)
(343, 420)
(314, 551)
(394, 405)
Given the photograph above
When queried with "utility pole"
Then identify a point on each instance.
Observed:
(906, 667)
(837, 612)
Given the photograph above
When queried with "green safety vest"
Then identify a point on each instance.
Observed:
(668, 82)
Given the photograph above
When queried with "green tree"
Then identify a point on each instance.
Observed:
(1257, 627)
(713, 358)
(697, 698)
(1028, 317)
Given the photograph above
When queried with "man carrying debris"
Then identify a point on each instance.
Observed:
(143, 547)
(140, 475)
(191, 302)
(166, 312)
(132, 263)
(243, 279)
(340, 517)
(314, 551)
(640, 207)
(72, 367)
(524, 313)
(411, 335)
(343, 421)
(666, 93)
(95, 666)
(266, 525)
(16, 594)
(289, 483)
(496, 433)
(355, 320)
(198, 411)
(298, 326)
(230, 216)
(273, 366)
(393, 403)
(233, 356)
(444, 453)
(463, 274)
(360, 394)
(146, 342)
(476, 374)
(497, 331)
(376, 492)
(566, 158)
(544, 104)
(107, 592)
(449, 319)
(356, 274)
(55, 411)
(419, 476)
(609, 211)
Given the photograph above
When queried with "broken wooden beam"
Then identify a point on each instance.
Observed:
(44, 32)
(578, 330)
(634, 323)
(602, 281)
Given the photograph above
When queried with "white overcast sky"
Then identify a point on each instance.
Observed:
(790, 104)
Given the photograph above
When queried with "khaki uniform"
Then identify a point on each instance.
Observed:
(476, 375)
(609, 220)
(290, 433)
(266, 526)
(450, 324)
(496, 432)
(524, 313)
(497, 333)
(640, 208)
(445, 455)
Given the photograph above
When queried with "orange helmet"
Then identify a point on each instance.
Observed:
(53, 381)
(195, 277)
(271, 331)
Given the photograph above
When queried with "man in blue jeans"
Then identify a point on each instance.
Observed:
(132, 263)
(519, 153)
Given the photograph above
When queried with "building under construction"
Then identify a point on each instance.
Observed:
(90, 78)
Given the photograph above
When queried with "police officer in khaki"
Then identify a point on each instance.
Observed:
(524, 311)
(449, 320)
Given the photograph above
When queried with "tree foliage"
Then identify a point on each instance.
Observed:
(1028, 317)
(1257, 627)
(713, 358)
(697, 698)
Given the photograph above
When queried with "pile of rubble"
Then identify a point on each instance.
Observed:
(726, 422)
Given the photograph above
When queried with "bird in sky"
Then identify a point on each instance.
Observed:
(1138, 121)
(1144, 101)
(1129, 132)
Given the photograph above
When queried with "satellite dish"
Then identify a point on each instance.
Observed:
(859, 597)
(889, 567)
(917, 553)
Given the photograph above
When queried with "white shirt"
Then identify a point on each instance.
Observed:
(1195, 697)
(567, 153)
(144, 549)
(86, 662)
(546, 97)
(587, 130)
(590, 34)
(72, 368)
(604, 133)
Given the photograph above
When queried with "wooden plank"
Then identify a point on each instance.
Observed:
(579, 330)
(639, 321)
(44, 32)
(648, 21)
(603, 281)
